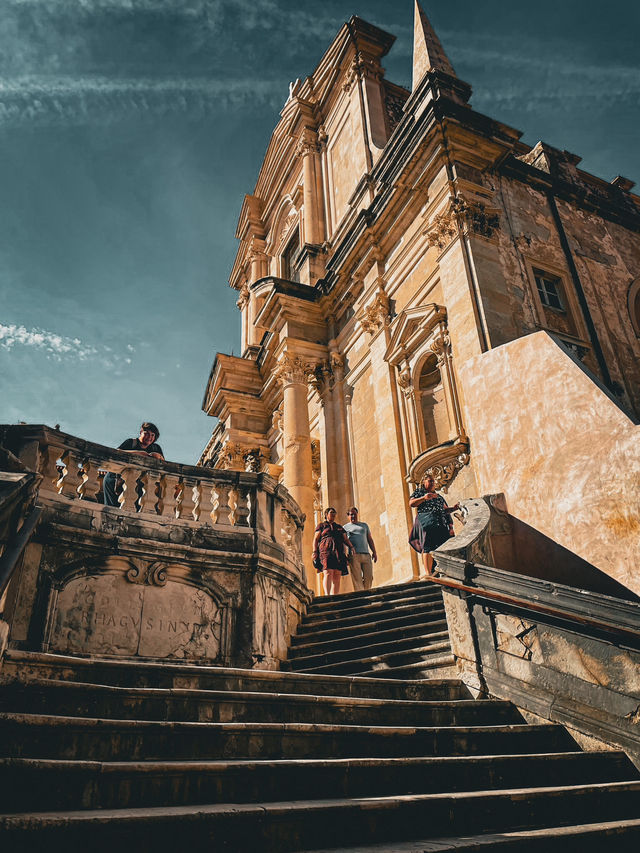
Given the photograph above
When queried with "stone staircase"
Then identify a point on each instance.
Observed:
(389, 632)
(124, 755)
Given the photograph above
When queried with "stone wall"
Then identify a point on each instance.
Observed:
(218, 579)
(565, 455)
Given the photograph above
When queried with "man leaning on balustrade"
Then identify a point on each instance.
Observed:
(145, 445)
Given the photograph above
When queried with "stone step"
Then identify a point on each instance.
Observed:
(424, 669)
(371, 596)
(396, 590)
(41, 785)
(107, 701)
(354, 605)
(430, 611)
(277, 827)
(94, 739)
(370, 647)
(392, 662)
(622, 836)
(21, 665)
(363, 637)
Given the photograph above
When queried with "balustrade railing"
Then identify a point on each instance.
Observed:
(73, 469)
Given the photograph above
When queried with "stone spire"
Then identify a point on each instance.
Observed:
(428, 53)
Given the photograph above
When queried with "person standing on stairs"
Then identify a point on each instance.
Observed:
(328, 555)
(433, 524)
(361, 539)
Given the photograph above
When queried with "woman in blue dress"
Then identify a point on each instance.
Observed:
(433, 524)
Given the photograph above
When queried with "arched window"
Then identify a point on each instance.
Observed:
(433, 405)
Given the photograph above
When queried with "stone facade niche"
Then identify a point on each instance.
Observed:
(420, 350)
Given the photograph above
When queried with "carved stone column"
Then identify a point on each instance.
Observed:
(328, 380)
(309, 150)
(298, 473)
(344, 481)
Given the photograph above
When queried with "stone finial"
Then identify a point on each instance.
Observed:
(428, 53)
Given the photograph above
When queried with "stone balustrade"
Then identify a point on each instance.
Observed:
(74, 469)
(223, 545)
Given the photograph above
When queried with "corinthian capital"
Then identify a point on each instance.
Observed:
(292, 368)
(308, 142)
(376, 314)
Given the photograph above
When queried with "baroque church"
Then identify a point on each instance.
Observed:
(420, 292)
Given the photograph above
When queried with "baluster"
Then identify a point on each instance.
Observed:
(49, 454)
(220, 504)
(179, 498)
(159, 490)
(169, 503)
(243, 506)
(69, 482)
(187, 504)
(82, 489)
(127, 497)
(142, 486)
(61, 472)
(233, 505)
(196, 497)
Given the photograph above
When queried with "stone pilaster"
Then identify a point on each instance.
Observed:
(293, 372)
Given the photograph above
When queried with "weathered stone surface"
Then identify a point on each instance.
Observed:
(109, 615)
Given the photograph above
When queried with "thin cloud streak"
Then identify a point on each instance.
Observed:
(55, 345)
(34, 100)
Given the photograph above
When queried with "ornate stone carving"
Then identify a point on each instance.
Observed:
(307, 143)
(472, 217)
(377, 314)
(243, 297)
(440, 345)
(444, 473)
(293, 368)
(405, 382)
(324, 375)
(154, 574)
(242, 457)
(277, 418)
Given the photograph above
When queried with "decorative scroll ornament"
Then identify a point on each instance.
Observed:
(472, 217)
(292, 368)
(154, 574)
(277, 418)
(440, 345)
(405, 381)
(243, 298)
(377, 314)
(444, 473)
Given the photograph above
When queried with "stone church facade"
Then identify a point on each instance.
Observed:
(421, 291)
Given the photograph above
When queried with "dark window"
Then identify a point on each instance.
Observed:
(289, 257)
(550, 290)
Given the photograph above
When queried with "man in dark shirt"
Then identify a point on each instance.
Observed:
(144, 445)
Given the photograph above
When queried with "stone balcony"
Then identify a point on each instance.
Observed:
(196, 564)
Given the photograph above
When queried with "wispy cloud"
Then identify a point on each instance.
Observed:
(35, 100)
(58, 347)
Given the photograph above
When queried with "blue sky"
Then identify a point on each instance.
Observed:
(131, 129)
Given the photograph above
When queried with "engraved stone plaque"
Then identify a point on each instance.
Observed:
(107, 614)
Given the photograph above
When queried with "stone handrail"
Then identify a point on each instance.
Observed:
(73, 469)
